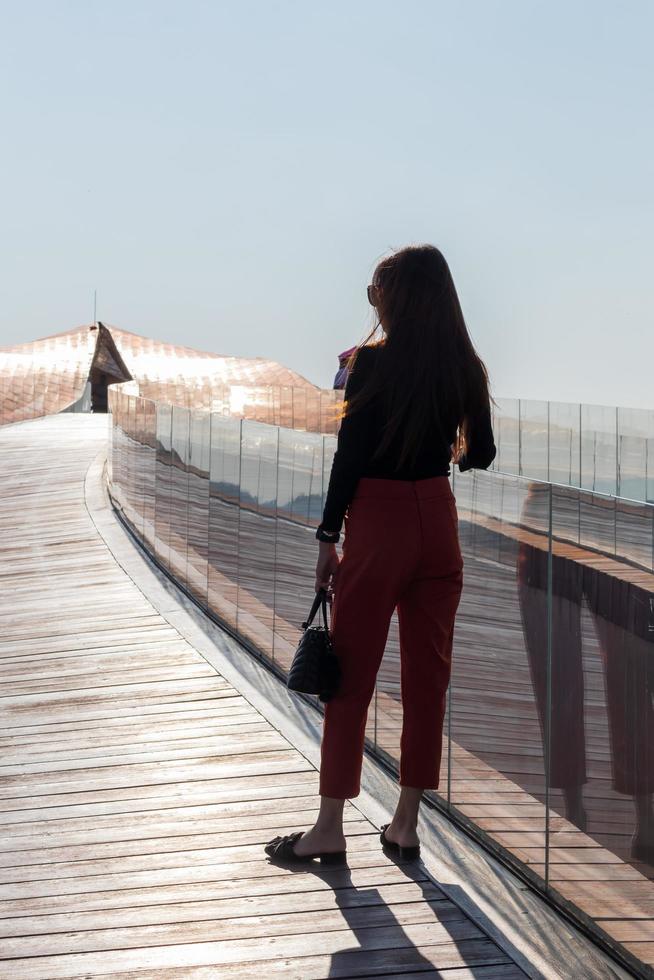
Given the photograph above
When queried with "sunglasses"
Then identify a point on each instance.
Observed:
(373, 295)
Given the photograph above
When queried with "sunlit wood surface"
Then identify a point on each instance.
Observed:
(137, 787)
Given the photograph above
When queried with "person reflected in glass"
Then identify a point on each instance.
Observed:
(415, 401)
(623, 617)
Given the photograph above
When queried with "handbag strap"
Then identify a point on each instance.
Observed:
(319, 600)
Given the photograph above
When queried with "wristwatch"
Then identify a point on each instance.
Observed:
(330, 536)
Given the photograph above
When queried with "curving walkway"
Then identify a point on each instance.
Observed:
(138, 786)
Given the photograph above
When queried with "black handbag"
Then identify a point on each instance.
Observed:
(315, 668)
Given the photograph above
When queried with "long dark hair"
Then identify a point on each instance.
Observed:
(427, 369)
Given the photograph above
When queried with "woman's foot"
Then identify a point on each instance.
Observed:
(319, 841)
(405, 835)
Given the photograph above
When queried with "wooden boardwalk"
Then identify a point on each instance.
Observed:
(138, 787)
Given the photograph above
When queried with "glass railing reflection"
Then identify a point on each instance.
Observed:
(594, 447)
(551, 716)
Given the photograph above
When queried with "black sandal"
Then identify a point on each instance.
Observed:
(409, 853)
(281, 848)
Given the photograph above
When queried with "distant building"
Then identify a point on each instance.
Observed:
(72, 371)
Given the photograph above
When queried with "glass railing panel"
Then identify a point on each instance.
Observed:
(574, 687)
(300, 476)
(114, 435)
(597, 522)
(163, 483)
(122, 447)
(224, 515)
(506, 428)
(498, 690)
(534, 440)
(599, 448)
(628, 644)
(602, 719)
(636, 454)
(116, 438)
(444, 790)
(132, 455)
(246, 401)
(297, 553)
(148, 464)
(257, 534)
(329, 448)
(120, 468)
(634, 533)
(566, 513)
(289, 441)
(198, 505)
(629, 656)
(135, 482)
(179, 493)
(299, 509)
(565, 444)
(128, 460)
(139, 465)
(110, 435)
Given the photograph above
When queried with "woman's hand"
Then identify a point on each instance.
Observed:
(327, 567)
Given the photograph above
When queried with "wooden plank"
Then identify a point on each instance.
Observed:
(414, 937)
(232, 907)
(202, 884)
(27, 853)
(268, 923)
(345, 965)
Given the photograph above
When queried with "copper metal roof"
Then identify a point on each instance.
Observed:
(54, 374)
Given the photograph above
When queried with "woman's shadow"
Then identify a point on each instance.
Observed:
(389, 923)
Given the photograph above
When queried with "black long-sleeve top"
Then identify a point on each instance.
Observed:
(361, 432)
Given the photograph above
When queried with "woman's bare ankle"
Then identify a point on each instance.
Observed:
(407, 821)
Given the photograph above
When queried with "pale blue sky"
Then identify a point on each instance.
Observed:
(227, 173)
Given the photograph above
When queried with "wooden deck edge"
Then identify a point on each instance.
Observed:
(541, 942)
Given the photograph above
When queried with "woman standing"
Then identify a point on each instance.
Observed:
(415, 401)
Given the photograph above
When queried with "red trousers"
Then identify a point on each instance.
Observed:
(400, 549)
